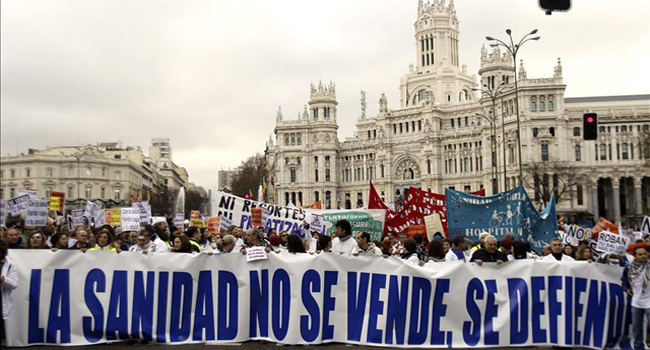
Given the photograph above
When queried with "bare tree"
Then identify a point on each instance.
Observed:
(248, 175)
(552, 177)
(196, 199)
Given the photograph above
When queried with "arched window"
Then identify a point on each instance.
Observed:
(625, 151)
(408, 174)
(550, 104)
(286, 140)
(535, 132)
(299, 139)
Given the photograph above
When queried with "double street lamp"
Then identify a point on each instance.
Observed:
(494, 94)
(513, 49)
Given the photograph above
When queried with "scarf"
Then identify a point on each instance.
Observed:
(557, 256)
(343, 239)
(639, 270)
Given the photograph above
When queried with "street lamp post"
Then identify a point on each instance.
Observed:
(494, 94)
(80, 154)
(513, 49)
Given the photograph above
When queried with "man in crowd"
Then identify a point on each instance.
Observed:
(636, 282)
(481, 239)
(489, 253)
(557, 252)
(145, 245)
(365, 246)
(14, 239)
(82, 242)
(457, 251)
(343, 243)
(162, 236)
(8, 282)
(419, 249)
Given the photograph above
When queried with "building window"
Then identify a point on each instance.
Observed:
(394, 129)
(603, 151)
(428, 166)
(579, 195)
(542, 105)
(118, 175)
(70, 191)
(576, 131)
(12, 193)
(103, 172)
(286, 160)
(381, 170)
(316, 175)
(533, 104)
(70, 171)
(118, 194)
(407, 126)
(292, 175)
(535, 132)
(550, 104)
(103, 193)
(299, 139)
(89, 171)
(299, 160)
(551, 130)
(316, 196)
(419, 125)
(89, 192)
(578, 152)
(28, 172)
(544, 151)
(49, 172)
(286, 140)
(625, 151)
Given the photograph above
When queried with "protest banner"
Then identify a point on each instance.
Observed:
(238, 211)
(113, 217)
(361, 220)
(18, 205)
(57, 201)
(145, 212)
(575, 234)
(612, 243)
(130, 218)
(33, 194)
(603, 224)
(214, 225)
(76, 218)
(256, 217)
(37, 210)
(200, 223)
(416, 230)
(255, 253)
(68, 298)
(316, 223)
(433, 225)
(511, 212)
(3, 213)
(224, 224)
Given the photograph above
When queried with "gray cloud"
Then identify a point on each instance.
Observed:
(211, 74)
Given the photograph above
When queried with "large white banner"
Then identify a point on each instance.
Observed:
(74, 298)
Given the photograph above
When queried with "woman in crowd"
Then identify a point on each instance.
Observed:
(436, 251)
(59, 241)
(274, 242)
(36, 241)
(584, 253)
(409, 251)
(446, 245)
(386, 246)
(324, 244)
(105, 241)
(569, 250)
(182, 245)
(295, 244)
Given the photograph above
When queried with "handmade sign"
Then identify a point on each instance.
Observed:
(612, 243)
(37, 210)
(18, 205)
(130, 218)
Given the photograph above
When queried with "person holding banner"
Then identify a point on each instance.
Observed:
(489, 253)
(458, 250)
(324, 244)
(365, 246)
(343, 243)
(82, 243)
(105, 241)
(182, 245)
(162, 238)
(8, 282)
(36, 241)
(636, 282)
(59, 241)
(255, 238)
(144, 245)
(436, 252)
(410, 253)
(557, 252)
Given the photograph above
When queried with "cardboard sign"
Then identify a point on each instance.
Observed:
(113, 217)
(256, 217)
(576, 234)
(604, 225)
(214, 223)
(416, 230)
(645, 226)
(145, 212)
(33, 194)
(37, 212)
(18, 205)
(3, 212)
(256, 253)
(130, 219)
(612, 243)
(225, 223)
(57, 201)
(433, 224)
(200, 223)
(76, 218)
(179, 220)
(316, 223)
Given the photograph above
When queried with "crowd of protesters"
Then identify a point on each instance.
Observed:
(416, 250)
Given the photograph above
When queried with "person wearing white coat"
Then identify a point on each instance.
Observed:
(8, 282)
(557, 252)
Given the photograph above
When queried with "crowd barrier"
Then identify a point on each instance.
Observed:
(73, 298)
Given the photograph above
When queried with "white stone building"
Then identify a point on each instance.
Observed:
(440, 136)
(108, 172)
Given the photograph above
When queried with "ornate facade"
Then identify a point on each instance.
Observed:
(443, 134)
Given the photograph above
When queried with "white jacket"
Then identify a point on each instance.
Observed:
(10, 274)
(550, 257)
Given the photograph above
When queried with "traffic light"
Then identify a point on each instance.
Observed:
(590, 126)
(550, 6)
(247, 196)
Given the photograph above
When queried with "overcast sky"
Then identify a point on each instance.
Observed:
(210, 75)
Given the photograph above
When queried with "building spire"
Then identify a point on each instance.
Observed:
(278, 114)
(522, 70)
(558, 69)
